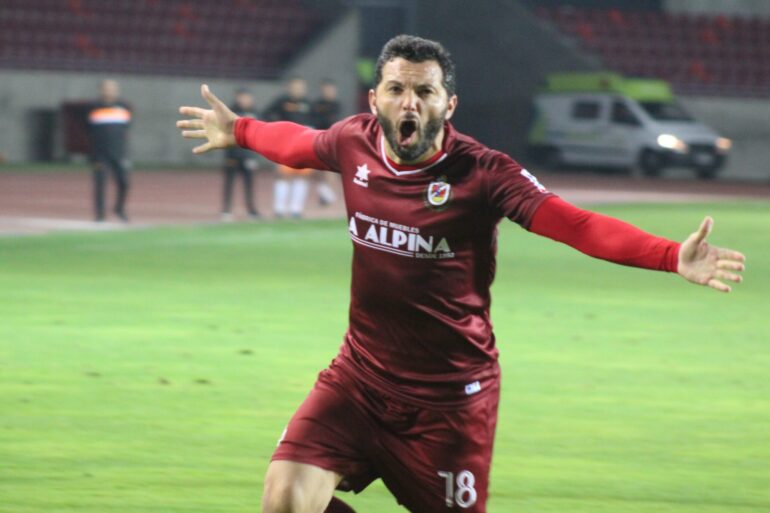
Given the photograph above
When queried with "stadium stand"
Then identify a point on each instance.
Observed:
(698, 54)
(171, 37)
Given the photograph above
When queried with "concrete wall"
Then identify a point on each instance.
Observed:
(745, 121)
(155, 99)
(502, 53)
(333, 56)
(742, 7)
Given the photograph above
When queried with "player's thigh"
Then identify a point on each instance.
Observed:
(329, 431)
(297, 488)
(445, 465)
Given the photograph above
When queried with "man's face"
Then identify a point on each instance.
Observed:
(244, 100)
(329, 92)
(296, 88)
(110, 91)
(411, 105)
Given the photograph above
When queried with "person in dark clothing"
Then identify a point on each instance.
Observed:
(109, 120)
(293, 105)
(291, 186)
(326, 111)
(240, 161)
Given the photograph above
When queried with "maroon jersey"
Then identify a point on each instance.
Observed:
(420, 333)
(424, 244)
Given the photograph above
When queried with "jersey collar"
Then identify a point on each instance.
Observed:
(402, 170)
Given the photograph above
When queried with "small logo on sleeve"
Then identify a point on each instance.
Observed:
(532, 178)
(362, 176)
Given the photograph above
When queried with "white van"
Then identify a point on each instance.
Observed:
(603, 119)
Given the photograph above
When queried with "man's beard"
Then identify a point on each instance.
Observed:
(425, 138)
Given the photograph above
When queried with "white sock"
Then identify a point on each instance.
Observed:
(299, 188)
(280, 197)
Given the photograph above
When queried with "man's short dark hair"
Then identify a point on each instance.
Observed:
(417, 49)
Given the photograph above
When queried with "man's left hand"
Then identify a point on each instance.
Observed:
(704, 264)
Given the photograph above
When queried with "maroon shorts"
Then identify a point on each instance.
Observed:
(433, 459)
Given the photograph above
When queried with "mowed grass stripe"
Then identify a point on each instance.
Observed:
(153, 371)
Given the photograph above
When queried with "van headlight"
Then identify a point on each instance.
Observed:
(724, 144)
(672, 142)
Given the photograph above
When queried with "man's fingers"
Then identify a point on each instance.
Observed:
(195, 128)
(724, 275)
(211, 98)
(729, 254)
(193, 112)
(704, 230)
(718, 285)
(203, 148)
(194, 124)
(730, 265)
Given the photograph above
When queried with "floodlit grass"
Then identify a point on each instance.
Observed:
(153, 371)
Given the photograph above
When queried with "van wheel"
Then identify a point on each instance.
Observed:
(552, 159)
(651, 163)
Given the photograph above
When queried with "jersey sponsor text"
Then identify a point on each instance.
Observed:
(397, 238)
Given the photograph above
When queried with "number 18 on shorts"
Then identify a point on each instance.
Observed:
(459, 489)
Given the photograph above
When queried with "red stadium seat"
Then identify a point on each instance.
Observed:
(172, 36)
(698, 53)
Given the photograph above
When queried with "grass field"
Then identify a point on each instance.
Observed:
(153, 371)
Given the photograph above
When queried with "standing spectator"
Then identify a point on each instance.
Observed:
(326, 111)
(240, 161)
(109, 120)
(291, 186)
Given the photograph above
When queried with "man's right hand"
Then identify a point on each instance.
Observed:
(217, 124)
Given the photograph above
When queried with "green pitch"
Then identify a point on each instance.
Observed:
(153, 371)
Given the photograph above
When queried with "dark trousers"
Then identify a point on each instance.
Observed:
(234, 167)
(119, 170)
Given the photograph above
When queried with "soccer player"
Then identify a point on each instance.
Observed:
(412, 396)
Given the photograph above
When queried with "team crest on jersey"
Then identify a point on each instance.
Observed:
(438, 193)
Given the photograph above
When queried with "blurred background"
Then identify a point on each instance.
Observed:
(712, 56)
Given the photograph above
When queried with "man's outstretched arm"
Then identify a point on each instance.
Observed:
(610, 239)
(283, 142)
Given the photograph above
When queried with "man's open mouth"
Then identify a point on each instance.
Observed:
(407, 132)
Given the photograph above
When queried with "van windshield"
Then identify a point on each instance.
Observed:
(666, 111)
